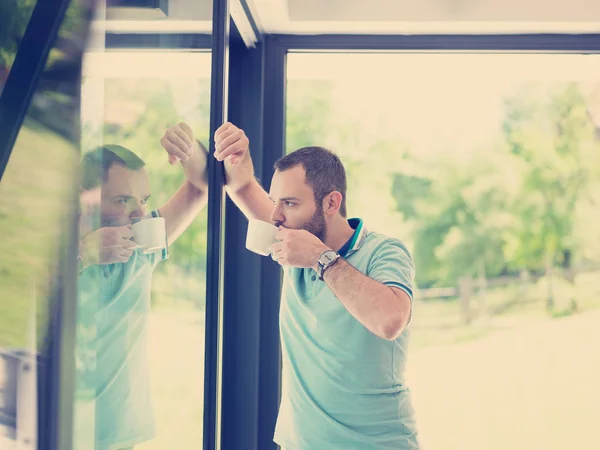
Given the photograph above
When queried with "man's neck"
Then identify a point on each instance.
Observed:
(338, 233)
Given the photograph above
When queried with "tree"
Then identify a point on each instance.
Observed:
(308, 112)
(549, 131)
(500, 210)
(14, 16)
(458, 215)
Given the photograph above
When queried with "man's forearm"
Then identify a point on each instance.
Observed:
(373, 304)
(181, 209)
(252, 200)
(195, 168)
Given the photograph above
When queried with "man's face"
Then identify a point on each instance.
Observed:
(294, 203)
(125, 194)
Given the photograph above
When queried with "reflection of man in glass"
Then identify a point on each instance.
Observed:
(115, 280)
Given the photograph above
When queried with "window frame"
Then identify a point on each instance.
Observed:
(259, 108)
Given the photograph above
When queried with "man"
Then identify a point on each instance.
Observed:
(345, 304)
(115, 282)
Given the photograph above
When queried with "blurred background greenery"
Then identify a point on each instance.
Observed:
(519, 212)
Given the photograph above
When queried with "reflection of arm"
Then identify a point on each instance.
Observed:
(252, 200)
(182, 208)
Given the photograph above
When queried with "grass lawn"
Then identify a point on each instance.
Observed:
(534, 386)
(35, 201)
(439, 322)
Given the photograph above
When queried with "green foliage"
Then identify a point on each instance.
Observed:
(14, 16)
(307, 115)
(549, 129)
(518, 204)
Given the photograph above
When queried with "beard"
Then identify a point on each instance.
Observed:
(113, 221)
(315, 225)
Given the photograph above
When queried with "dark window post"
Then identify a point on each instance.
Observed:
(251, 351)
(215, 238)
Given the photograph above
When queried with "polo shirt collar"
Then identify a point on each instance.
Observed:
(357, 239)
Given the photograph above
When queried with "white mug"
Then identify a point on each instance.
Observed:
(150, 234)
(260, 237)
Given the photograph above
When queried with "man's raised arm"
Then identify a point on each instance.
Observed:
(183, 207)
(232, 147)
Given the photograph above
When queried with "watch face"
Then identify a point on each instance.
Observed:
(328, 256)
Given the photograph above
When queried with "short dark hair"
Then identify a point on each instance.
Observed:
(325, 172)
(96, 164)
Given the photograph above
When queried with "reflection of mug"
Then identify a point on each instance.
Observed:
(150, 234)
(260, 237)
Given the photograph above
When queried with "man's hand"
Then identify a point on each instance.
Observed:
(89, 218)
(180, 145)
(231, 146)
(297, 248)
(107, 245)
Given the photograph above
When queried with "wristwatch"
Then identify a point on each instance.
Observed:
(327, 259)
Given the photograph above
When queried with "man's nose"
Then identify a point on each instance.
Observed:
(139, 210)
(277, 217)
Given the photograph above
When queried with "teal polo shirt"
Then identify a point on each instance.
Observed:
(342, 386)
(112, 368)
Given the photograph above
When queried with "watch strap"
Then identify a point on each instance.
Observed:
(323, 267)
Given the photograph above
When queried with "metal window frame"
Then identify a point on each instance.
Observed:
(545, 43)
(158, 41)
(258, 105)
(252, 362)
(215, 229)
(241, 317)
(274, 123)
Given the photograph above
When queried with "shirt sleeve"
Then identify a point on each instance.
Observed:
(392, 265)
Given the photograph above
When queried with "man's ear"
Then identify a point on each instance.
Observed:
(332, 202)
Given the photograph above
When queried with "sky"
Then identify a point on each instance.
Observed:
(429, 99)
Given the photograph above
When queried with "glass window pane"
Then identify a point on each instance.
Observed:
(490, 177)
(141, 322)
(160, 16)
(36, 213)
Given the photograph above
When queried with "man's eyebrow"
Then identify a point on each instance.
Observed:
(284, 199)
(130, 196)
